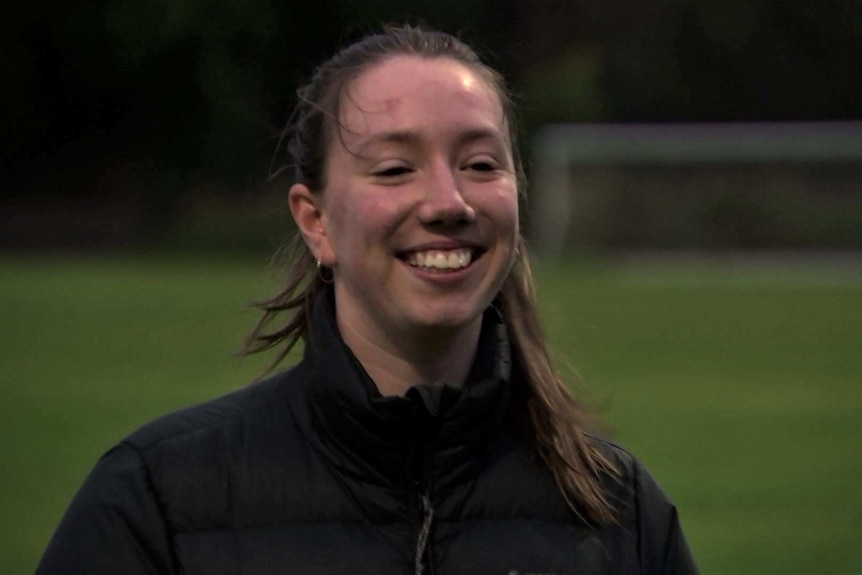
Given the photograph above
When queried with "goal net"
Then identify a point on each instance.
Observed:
(731, 186)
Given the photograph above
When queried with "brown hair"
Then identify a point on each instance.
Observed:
(553, 420)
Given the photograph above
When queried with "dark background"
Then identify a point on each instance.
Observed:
(141, 124)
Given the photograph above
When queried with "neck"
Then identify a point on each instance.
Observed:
(397, 363)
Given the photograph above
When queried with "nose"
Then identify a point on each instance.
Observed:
(443, 203)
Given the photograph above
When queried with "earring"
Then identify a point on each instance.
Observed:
(320, 272)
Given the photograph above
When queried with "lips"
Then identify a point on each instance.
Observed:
(441, 259)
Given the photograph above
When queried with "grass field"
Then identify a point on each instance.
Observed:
(741, 392)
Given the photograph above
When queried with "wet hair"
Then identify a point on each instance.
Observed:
(553, 421)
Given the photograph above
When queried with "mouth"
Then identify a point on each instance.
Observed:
(441, 261)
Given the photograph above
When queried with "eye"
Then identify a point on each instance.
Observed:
(392, 172)
(483, 166)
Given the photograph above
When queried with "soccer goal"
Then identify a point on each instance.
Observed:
(696, 186)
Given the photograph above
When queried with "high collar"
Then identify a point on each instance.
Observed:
(394, 441)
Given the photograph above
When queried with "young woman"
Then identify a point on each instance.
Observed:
(425, 429)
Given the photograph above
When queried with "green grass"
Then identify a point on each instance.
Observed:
(742, 393)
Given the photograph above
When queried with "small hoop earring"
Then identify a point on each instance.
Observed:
(320, 272)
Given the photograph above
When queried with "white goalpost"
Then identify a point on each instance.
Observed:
(567, 161)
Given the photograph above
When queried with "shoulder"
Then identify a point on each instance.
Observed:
(624, 461)
(198, 461)
(645, 510)
(631, 483)
(630, 470)
(220, 417)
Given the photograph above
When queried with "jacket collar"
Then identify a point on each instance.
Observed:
(396, 441)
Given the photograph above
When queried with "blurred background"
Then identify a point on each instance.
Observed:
(695, 209)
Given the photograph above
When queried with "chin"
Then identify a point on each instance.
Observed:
(450, 319)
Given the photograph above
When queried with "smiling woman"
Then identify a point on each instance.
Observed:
(425, 430)
(421, 175)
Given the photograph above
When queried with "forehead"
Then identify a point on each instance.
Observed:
(415, 93)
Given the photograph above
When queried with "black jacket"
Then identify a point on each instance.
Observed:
(314, 472)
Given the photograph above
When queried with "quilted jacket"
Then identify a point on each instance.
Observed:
(314, 472)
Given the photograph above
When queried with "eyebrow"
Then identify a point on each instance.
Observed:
(395, 137)
(411, 137)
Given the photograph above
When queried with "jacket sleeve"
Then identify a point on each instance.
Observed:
(114, 523)
(661, 544)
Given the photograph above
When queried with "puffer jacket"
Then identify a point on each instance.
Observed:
(314, 472)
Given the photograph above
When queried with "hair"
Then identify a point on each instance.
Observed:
(551, 418)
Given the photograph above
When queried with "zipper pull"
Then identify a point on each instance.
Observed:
(424, 532)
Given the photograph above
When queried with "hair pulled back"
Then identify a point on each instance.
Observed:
(552, 419)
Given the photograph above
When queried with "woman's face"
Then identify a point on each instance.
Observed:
(420, 209)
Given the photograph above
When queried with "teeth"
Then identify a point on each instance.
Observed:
(441, 260)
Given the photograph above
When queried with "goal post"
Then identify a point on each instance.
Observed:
(567, 159)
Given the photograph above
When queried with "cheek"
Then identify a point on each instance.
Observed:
(503, 208)
(506, 219)
(379, 215)
(362, 219)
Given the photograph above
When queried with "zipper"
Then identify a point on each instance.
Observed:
(422, 540)
(418, 472)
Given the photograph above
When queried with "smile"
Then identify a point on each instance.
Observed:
(440, 259)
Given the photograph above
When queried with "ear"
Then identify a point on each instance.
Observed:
(306, 208)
